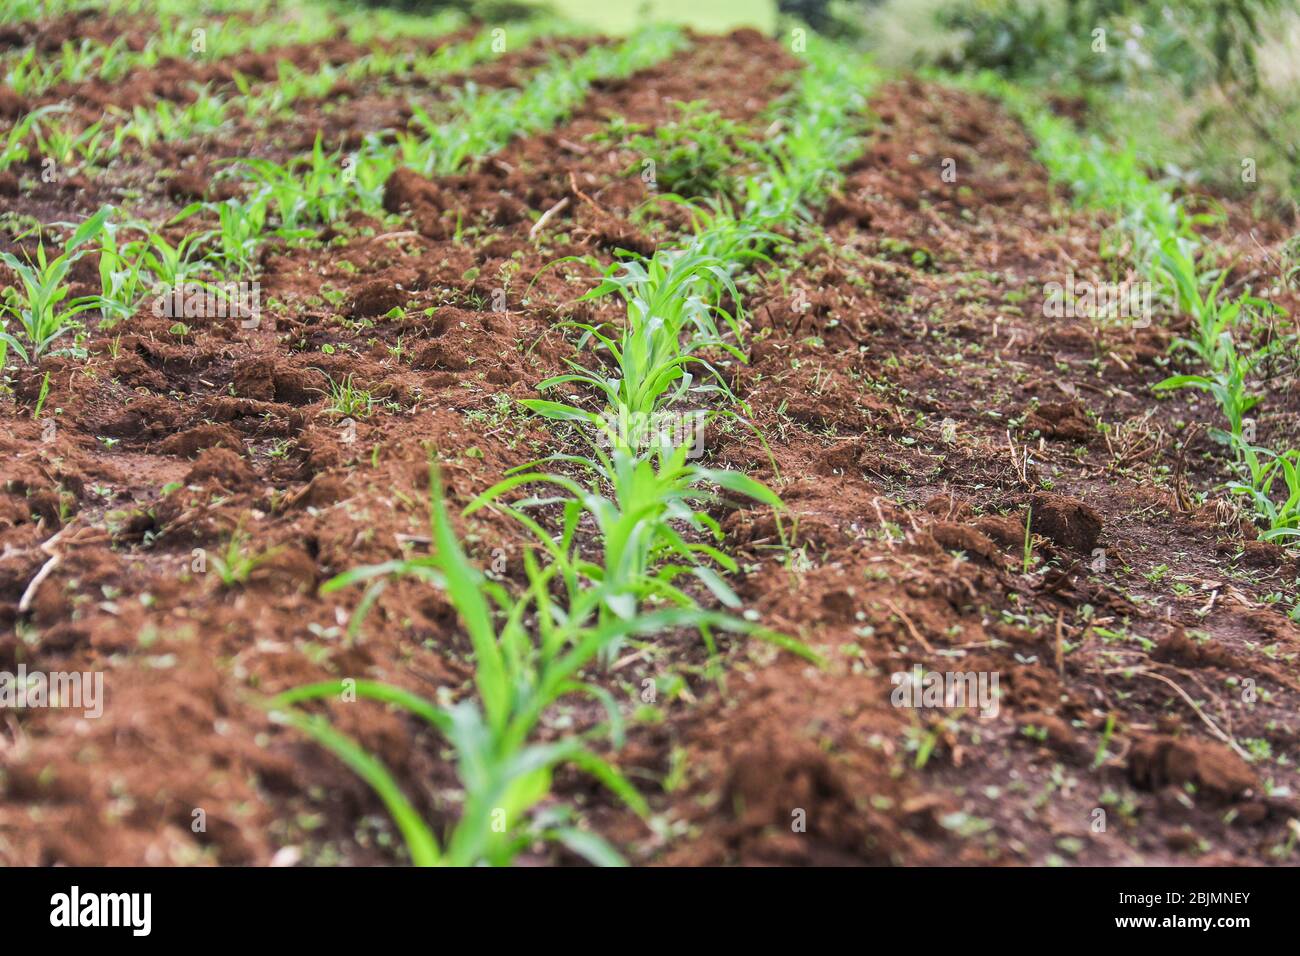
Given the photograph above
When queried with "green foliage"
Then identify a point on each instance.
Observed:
(165, 121)
(673, 302)
(1200, 41)
(649, 504)
(819, 131)
(122, 277)
(673, 313)
(241, 227)
(65, 145)
(169, 264)
(1101, 177)
(1263, 467)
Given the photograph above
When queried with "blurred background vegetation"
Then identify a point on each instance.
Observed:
(1197, 86)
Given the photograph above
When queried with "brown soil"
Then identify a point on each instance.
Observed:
(919, 415)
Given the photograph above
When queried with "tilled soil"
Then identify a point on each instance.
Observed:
(919, 409)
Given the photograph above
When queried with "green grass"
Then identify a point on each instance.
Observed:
(346, 400)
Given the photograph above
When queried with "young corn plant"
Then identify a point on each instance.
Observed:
(166, 121)
(1227, 383)
(170, 265)
(29, 75)
(65, 145)
(310, 190)
(39, 305)
(643, 553)
(504, 767)
(233, 245)
(673, 311)
(14, 147)
(1211, 317)
(1281, 521)
(122, 278)
(292, 84)
(728, 236)
(115, 61)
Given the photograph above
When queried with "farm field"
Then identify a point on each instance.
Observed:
(450, 442)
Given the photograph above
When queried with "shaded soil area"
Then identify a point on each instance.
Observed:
(921, 412)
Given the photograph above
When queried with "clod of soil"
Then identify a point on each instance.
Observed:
(1178, 648)
(1160, 760)
(377, 298)
(960, 537)
(1254, 554)
(1064, 420)
(1065, 521)
(1056, 734)
(809, 797)
(192, 441)
(223, 466)
(12, 105)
